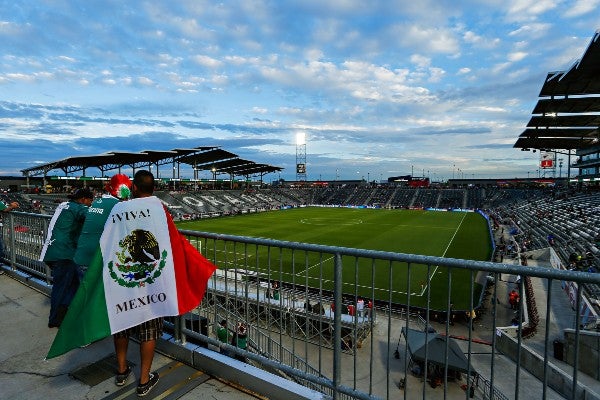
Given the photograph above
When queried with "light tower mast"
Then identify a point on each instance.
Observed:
(300, 156)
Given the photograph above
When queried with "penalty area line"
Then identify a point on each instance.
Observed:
(424, 287)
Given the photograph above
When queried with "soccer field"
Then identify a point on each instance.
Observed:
(444, 234)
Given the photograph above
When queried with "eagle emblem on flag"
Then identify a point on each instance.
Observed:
(139, 260)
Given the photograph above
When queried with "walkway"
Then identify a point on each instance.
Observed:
(85, 373)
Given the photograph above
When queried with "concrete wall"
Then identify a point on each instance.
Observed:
(233, 371)
(589, 351)
(558, 380)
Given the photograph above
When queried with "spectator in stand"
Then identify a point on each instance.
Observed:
(360, 307)
(147, 332)
(8, 207)
(59, 249)
(369, 310)
(5, 208)
(513, 299)
(223, 335)
(351, 309)
(119, 188)
(240, 340)
(471, 315)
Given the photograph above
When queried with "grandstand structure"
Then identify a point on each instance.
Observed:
(560, 222)
(569, 216)
(565, 119)
(202, 158)
(286, 332)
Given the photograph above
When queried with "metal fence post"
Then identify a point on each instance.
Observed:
(337, 325)
(11, 230)
(178, 331)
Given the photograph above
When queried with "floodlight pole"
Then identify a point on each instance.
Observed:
(214, 171)
(568, 154)
(301, 157)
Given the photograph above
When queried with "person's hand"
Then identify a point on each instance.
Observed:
(13, 205)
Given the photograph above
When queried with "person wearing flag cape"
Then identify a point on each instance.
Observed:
(143, 270)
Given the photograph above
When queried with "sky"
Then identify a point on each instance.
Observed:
(437, 88)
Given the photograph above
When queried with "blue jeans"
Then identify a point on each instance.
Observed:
(65, 275)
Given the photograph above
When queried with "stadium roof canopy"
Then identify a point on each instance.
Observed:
(200, 158)
(566, 115)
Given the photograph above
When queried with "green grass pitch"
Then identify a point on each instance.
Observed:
(444, 234)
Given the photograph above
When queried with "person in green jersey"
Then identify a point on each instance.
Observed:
(240, 340)
(223, 335)
(118, 188)
(59, 249)
(5, 208)
(8, 207)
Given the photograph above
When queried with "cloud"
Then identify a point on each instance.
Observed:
(207, 62)
(581, 7)
(420, 61)
(528, 10)
(491, 146)
(428, 40)
(532, 30)
(479, 41)
(374, 83)
(517, 56)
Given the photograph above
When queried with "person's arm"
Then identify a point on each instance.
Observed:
(11, 206)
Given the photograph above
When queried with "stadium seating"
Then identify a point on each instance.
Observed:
(572, 218)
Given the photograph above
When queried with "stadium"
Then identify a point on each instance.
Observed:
(461, 221)
(405, 278)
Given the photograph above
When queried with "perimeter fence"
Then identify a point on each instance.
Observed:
(334, 340)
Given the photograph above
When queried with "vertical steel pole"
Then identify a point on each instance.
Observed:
(577, 332)
(337, 325)
(547, 338)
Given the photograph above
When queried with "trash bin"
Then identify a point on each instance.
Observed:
(559, 347)
(198, 324)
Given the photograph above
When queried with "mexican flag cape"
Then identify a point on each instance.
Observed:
(144, 269)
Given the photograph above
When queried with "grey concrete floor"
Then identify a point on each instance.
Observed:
(26, 338)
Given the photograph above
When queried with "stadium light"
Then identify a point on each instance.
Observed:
(300, 156)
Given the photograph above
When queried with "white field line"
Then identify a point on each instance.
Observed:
(227, 253)
(424, 287)
(316, 265)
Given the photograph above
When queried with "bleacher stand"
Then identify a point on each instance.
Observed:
(567, 221)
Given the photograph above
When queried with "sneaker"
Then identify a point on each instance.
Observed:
(144, 389)
(120, 379)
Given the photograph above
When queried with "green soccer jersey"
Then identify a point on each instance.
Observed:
(89, 240)
(64, 231)
(223, 334)
(242, 341)
(3, 206)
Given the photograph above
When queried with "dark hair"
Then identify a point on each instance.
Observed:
(144, 182)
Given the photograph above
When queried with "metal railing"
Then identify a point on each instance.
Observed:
(347, 355)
